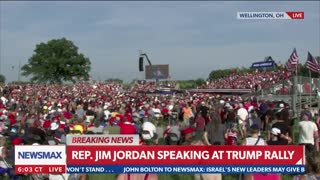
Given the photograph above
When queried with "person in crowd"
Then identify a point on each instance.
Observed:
(160, 131)
(270, 120)
(277, 138)
(232, 135)
(187, 135)
(5, 168)
(214, 112)
(282, 125)
(187, 114)
(254, 138)
(242, 115)
(229, 116)
(36, 129)
(80, 112)
(263, 108)
(203, 110)
(308, 132)
(149, 131)
(198, 142)
(96, 128)
(214, 133)
(127, 127)
(253, 118)
(173, 134)
(200, 123)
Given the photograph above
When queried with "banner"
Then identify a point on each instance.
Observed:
(263, 64)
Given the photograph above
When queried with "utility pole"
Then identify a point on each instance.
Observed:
(19, 71)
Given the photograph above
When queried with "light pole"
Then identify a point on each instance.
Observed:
(19, 71)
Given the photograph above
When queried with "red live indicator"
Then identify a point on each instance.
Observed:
(296, 15)
(40, 169)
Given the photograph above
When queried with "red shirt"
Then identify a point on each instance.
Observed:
(200, 122)
(165, 111)
(126, 128)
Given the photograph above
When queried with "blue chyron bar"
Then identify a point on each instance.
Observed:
(297, 169)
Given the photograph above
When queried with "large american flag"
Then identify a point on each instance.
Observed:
(312, 64)
(292, 61)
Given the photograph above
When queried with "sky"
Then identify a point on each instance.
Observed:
(193, 37)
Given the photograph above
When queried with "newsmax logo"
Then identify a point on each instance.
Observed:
(40, 155)
(270, 15)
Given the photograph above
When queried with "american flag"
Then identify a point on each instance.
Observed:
(292, 61)
(312, 64)
(288, 66)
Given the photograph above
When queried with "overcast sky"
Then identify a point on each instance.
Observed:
(192, 37)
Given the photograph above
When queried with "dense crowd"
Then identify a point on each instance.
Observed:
(254, 80)
(151, 86)
(45, 114)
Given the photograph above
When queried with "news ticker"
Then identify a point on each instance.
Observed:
(169, 169)
(107, 154)
(270, 15)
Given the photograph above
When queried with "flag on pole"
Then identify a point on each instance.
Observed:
(312, 64)
(288, 66)
(292, 61)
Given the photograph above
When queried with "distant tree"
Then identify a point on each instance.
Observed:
(20, 82)
(221, 73)
(115, 80)
(200, 82)
(191, 84)
(2, 79)
(57, 61)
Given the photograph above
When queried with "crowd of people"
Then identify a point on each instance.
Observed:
(251, 80)
(151, 86)
(45, 114)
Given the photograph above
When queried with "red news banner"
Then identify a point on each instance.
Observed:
(185, 155)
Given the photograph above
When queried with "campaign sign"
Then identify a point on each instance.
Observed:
(263, 64)
(40, 159)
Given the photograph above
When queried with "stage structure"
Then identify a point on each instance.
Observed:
(153, 72)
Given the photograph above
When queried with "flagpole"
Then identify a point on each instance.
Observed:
(299, 87)
(310, 88)
(300, 92)
(294, 97)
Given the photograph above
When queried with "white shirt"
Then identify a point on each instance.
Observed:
(148, 126)
(156, 112)
(107, 113)
(243, 114)
(252, 141)
(306, 132)
(4, 100)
